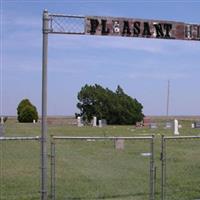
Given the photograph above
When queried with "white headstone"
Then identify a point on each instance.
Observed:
(34, 121)
(192, 125)
(176, 127)
(100, 123)
(79, 123)
(94, 121)
(2, 122)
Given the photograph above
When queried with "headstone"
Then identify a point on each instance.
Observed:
(146, 154)
(153, 125)
(100, 123)
(197, 124)
(176, 127)
(119, 144)
(146, 122)
(168, 125)
(79, 122)
(192, 125)
(1, 130)
(94, 122)
(138, 124)
(34, 121)
(2, 121)
(104, 122)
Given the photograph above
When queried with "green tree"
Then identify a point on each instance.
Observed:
(22, 104)
(26, 111)
(116, 107)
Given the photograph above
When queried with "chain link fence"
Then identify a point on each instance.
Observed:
(66, 24)
(19, 168)
(102, 168)
(180, 168)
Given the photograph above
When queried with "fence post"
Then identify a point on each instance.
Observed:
(53, 167)
(152, 168)
(45, 27)
(163, 167)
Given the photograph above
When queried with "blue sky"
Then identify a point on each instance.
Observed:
(140, 66)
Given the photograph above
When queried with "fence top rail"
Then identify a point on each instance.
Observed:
(20, 138)
(181, 137)
(64, 15)
(101, 138)
(67, 33)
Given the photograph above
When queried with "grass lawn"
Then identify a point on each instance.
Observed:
(95, 169)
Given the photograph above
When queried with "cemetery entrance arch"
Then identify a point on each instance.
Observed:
(105, 26)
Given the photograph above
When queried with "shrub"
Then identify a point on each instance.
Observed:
(26, 111)
(28, 114)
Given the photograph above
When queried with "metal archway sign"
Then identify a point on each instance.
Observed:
(141, 28)
(105, 26)
(126, 27)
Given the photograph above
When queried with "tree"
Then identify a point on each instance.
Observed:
(26, 111)
(116, 107)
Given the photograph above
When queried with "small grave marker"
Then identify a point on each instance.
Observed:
(146, 122)
(104, 122)
(197, 124)
(192, 125)
(119, 144)
(94, 124)
(146, 154)
(176, 127)
(168, 125)
(100, 123)
(79, 122)
(153, 125)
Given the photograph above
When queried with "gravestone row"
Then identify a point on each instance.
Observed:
(101, 122)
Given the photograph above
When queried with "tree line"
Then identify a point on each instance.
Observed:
(93, 100)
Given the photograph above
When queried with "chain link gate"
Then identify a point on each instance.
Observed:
(94, 25)
(100, 149)
(180, 168)
(14, 160)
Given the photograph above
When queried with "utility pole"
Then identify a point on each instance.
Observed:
(168, 93)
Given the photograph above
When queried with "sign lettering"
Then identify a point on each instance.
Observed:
(141, 28)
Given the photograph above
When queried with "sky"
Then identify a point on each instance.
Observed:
(142, 67)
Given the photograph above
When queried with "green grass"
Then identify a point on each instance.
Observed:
(96, 170)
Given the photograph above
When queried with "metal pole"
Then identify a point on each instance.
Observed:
(53, 178)
(152, 168)
(163, 168)
(45, 27)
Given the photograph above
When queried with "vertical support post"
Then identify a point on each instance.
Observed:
(152, 168)
(163, 167)
(53, 167)
(45, 27)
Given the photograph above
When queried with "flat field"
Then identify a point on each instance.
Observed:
(96, 169)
